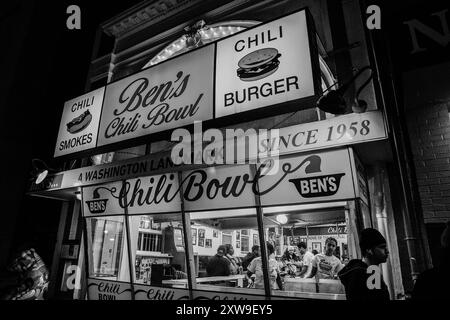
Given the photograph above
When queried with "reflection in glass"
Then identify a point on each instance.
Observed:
(220, 260)
(296, 234)
(107, 247)
(158, 250)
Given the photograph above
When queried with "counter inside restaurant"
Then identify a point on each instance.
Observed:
(328, 289)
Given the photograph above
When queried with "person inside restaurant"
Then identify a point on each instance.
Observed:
(326, 265)
(255, 270)
(306, 258)
(235, 261)
(250, 256)
(291, 263)
(218, 265)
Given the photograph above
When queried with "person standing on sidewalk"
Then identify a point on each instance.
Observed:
(355, 275)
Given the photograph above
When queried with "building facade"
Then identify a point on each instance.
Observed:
(136, 225)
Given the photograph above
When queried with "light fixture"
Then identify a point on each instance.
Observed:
(40, 170)
(333, 101)
(78, 195)
(282, 218)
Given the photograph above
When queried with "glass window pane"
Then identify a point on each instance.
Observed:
(311, 247)
(158, 251)
(107, 248)
(221, 264)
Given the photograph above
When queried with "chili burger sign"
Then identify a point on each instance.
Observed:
(262, 67)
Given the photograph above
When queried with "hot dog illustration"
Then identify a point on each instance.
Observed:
(79, 123)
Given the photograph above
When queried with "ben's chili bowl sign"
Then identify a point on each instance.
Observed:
(79, 123)
(166, 96)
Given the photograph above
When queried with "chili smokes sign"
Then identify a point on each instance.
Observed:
(267, 65)
(79, 123)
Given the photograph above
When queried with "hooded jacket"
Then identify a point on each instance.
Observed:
(354, 278)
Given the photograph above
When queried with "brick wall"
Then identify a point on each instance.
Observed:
(429, 129)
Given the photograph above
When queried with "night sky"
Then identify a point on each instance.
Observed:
(43, 64)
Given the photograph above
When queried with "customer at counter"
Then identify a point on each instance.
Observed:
(306, 258)
(291, 262)
(235, 262)
(327, 265)
(354, 276)
(250, 256)
(219, 265)
(255, 271)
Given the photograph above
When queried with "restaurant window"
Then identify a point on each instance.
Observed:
(325, 229)
(245, 242)
(157, 250)
(149, 242)
(221, 266)
(107, 247)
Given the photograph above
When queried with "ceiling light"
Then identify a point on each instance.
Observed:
(282, 218)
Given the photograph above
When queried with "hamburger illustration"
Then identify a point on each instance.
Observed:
(79, 123)
(258, 64)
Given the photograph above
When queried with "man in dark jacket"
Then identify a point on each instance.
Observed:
(250, 256)
(355, 275)
(218, 265)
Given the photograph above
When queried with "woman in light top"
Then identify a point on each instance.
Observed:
(255, 272)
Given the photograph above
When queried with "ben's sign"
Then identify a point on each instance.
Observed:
(264, 66)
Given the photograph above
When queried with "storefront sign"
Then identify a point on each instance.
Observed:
(151, 194)
(102, 200)
(108, 290)
(163, 97)
(264, 66)
(221, 187)
(138, 196)
(342, 130)
(325, 176)
(50, 182)
(142, 292)
(317, 230)
(268, 65)
(79, 123)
